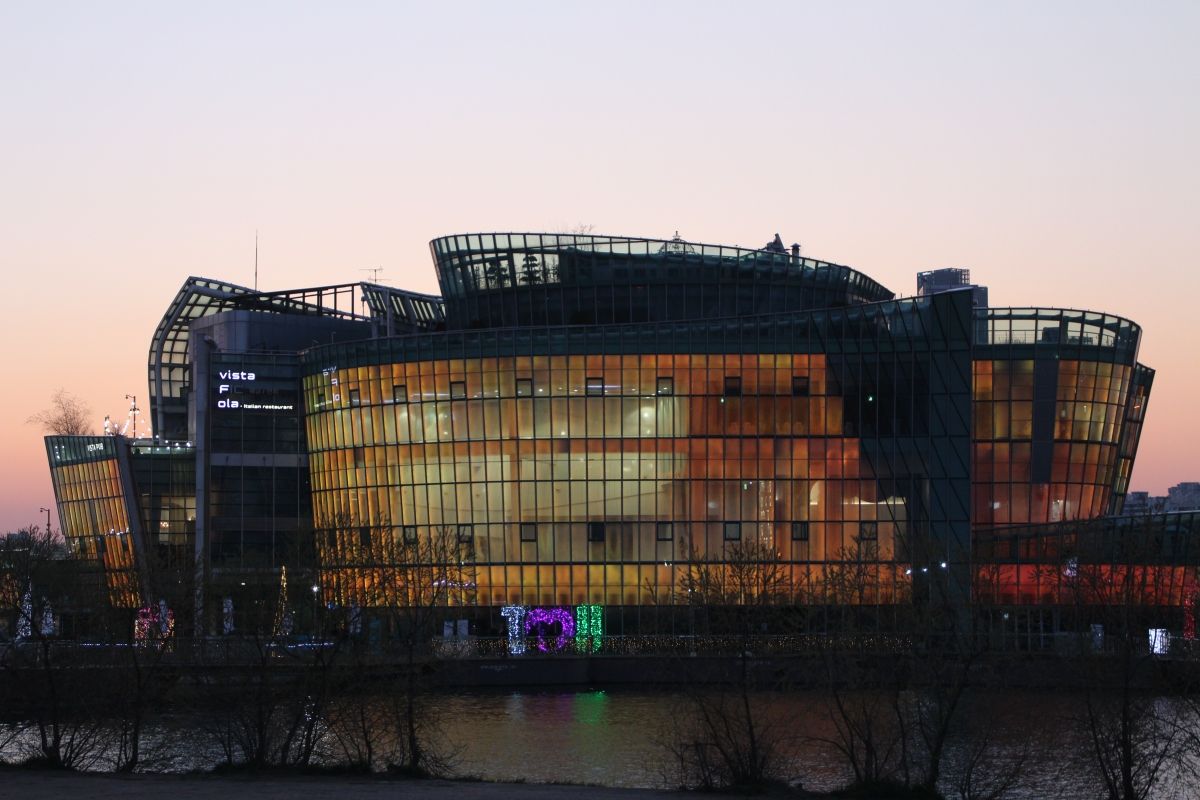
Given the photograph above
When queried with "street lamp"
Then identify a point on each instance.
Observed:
(47, 520)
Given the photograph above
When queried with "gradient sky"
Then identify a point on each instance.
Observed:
(1049, 147)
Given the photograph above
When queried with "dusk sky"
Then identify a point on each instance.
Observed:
(1048, 147)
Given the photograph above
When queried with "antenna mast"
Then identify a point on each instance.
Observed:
(374, 272)
(256, 259)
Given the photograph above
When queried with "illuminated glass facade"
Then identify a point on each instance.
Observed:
(93, 509)
(1058, 403)
(592, 477)
(589, 415)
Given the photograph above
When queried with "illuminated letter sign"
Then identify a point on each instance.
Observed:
(515, 616)
(589, 628)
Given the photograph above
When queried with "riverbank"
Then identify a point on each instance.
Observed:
(42, 785)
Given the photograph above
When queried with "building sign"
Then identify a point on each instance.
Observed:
(234, 382)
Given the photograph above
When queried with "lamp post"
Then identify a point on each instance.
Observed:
(47, 520)
(316, 593)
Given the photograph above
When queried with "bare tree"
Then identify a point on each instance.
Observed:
(727, 735)
(1136, 738)
(428, 574)
(63, 703)
(67, 415)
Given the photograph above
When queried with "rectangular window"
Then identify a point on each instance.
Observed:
(331, 539)
(733, 386)
(360, 456)
(868, 531)
(354, 397)
(458, 390)
(410, 534)
(400, 393)
(320, 399)
(528, 531)
(595, 531)
(665, 386)
(799, 386)
(663, 532)
(800, 531)
(465, 534)
(733, 531)
(364, 537)
(595, 386)
(524, 387)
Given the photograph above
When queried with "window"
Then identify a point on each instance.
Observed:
(528, 531)
(400, 393)
(799, 386)
(360, 456)
(595, 387)
(733, 386)
(663, 532)
(458, 390)
(595, 531)
(868, 531)
(410, 534)
(354, 397)
(524, 387)
(331, 539)
(364, 537)
(320, 399)
(800, 531)
(665, 386)
(733, 531)
(465, 534)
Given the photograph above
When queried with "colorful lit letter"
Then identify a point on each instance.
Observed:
(589, 628)
(515, 616)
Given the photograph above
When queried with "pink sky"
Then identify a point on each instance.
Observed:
(1052, 150)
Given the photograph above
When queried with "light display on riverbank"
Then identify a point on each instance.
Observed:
(552, 629)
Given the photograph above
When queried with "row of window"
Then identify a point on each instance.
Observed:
(664, 532)
(593, 387)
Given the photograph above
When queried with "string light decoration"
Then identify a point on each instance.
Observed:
(589, 628)
(280, 603)
(539, 621)
(25, 620)
(1189, 616)
(152, 623)
(515, 617)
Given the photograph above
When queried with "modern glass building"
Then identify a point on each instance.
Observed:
(589, 417)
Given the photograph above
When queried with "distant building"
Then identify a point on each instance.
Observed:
(1180, 497)
(944, 280)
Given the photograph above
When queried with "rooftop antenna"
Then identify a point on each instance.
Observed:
(256, 259)
(374, 272)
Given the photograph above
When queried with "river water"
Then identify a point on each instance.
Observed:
(616, 738)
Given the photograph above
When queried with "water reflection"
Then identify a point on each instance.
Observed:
(615, 738)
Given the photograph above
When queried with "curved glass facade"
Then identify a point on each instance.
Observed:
(587, 417)
(492, 280)
(1058, 398)
(592, 474)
